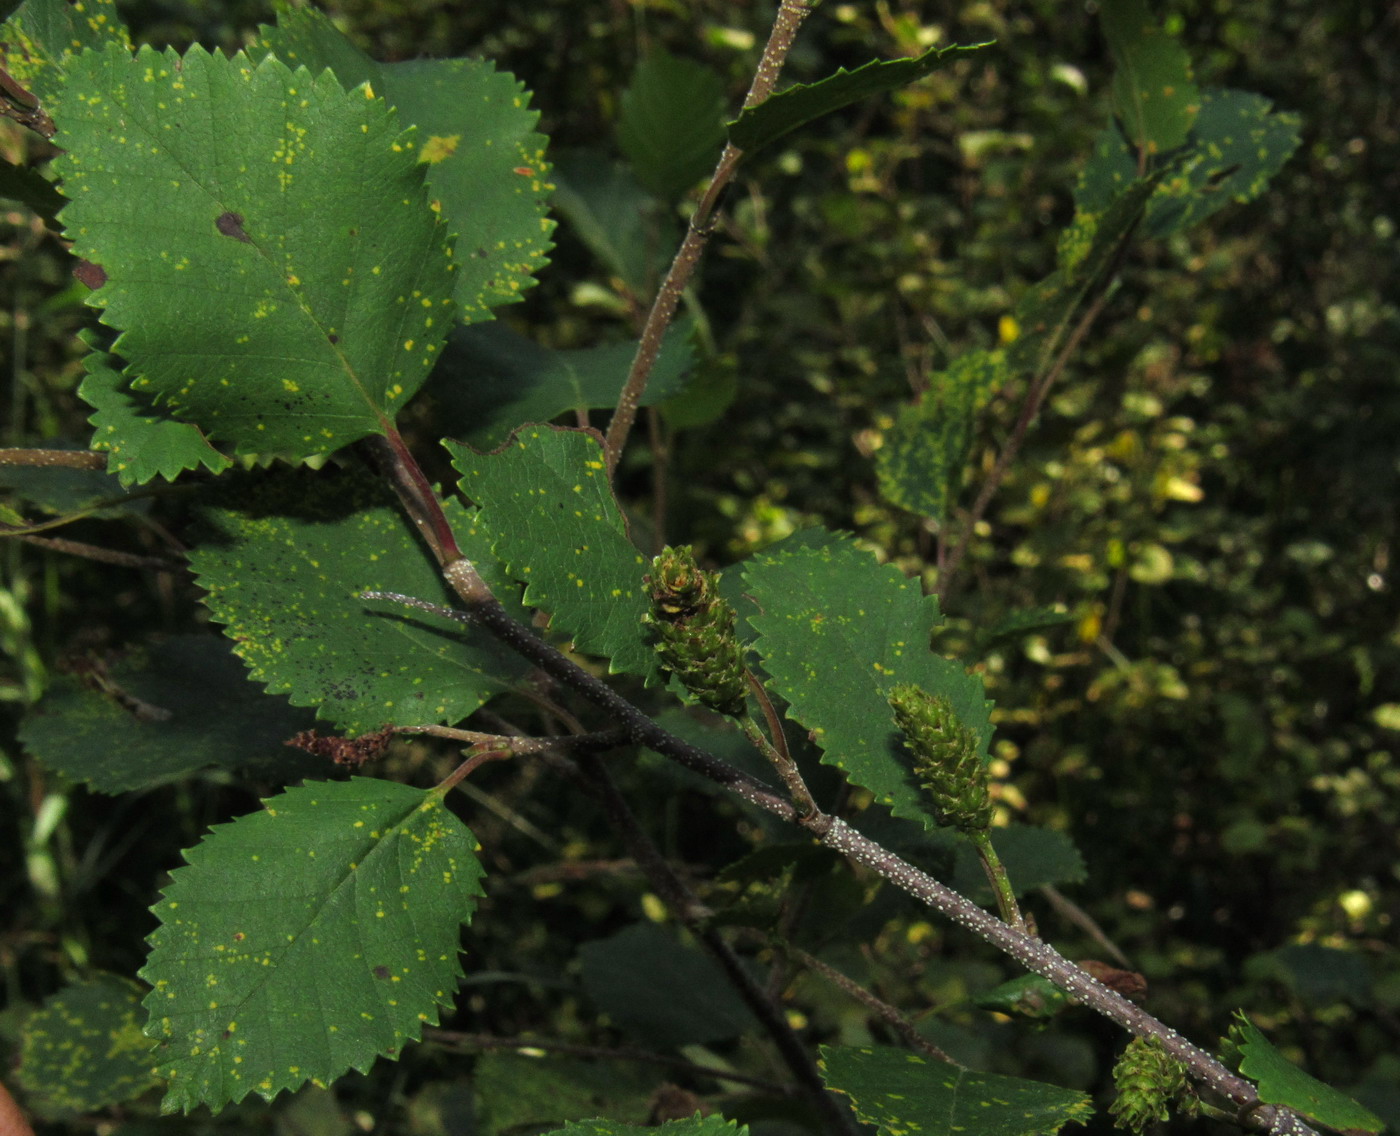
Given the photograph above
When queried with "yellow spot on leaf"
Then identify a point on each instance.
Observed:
(438, 147)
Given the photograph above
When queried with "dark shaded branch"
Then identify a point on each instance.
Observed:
(693, 914)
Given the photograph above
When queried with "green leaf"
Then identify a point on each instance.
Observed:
(161, 712)
(624, 973)
(1032, 857)
(493, 380)
(1283, 1083)
(140, 447)
(1029, 995)
(1017, 624)
(284, 573)
(925, 452)
(901, 1092)
(801, 103)
(42, 37)
(554, 523)
(84, 1050)
(307, 939)
(1153, 93)
(836, 630)
(1236, 147)
(1087, 248)
(690, 1126)
(671, 122)
(1320, 976)
(515, 1092)
(623, 226)
(485, 163)
(31, 189)
(279, 279)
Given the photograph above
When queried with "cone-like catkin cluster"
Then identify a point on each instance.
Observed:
(947, 757)
(1148, 1079)
(695, 631)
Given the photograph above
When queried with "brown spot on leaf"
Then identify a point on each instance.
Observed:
(90, 274)
(381, 972)
(231, 225)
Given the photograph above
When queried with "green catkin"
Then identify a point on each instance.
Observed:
(694, 630)
(947, 757)
(1148, 1079)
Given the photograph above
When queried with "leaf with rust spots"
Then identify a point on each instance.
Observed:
(284, 572)
(83, 1050)
(901, 1092)
(308, 939)
(553, 522)
(302, 340)
(478, 131)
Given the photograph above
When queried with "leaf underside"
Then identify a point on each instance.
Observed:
(269, 252)
(671, 122)
(307, 939)
(921, 462)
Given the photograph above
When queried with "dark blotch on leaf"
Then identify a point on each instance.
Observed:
(381, 972)
(231, 225)
(333, 337)
(90, 274)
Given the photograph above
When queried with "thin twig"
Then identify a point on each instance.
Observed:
(880, 1008)
(402, 471)
(790, 15)
(1068, 909)
(477, 756)
(98, 553)
(562, 744)
(602, 1053)
(1036, 394)
(54, 459)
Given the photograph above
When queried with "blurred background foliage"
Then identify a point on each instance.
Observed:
(1212, 494)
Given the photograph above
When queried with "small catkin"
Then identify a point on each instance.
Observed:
(1148, 1079)
(694, 629)
(947, 757)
